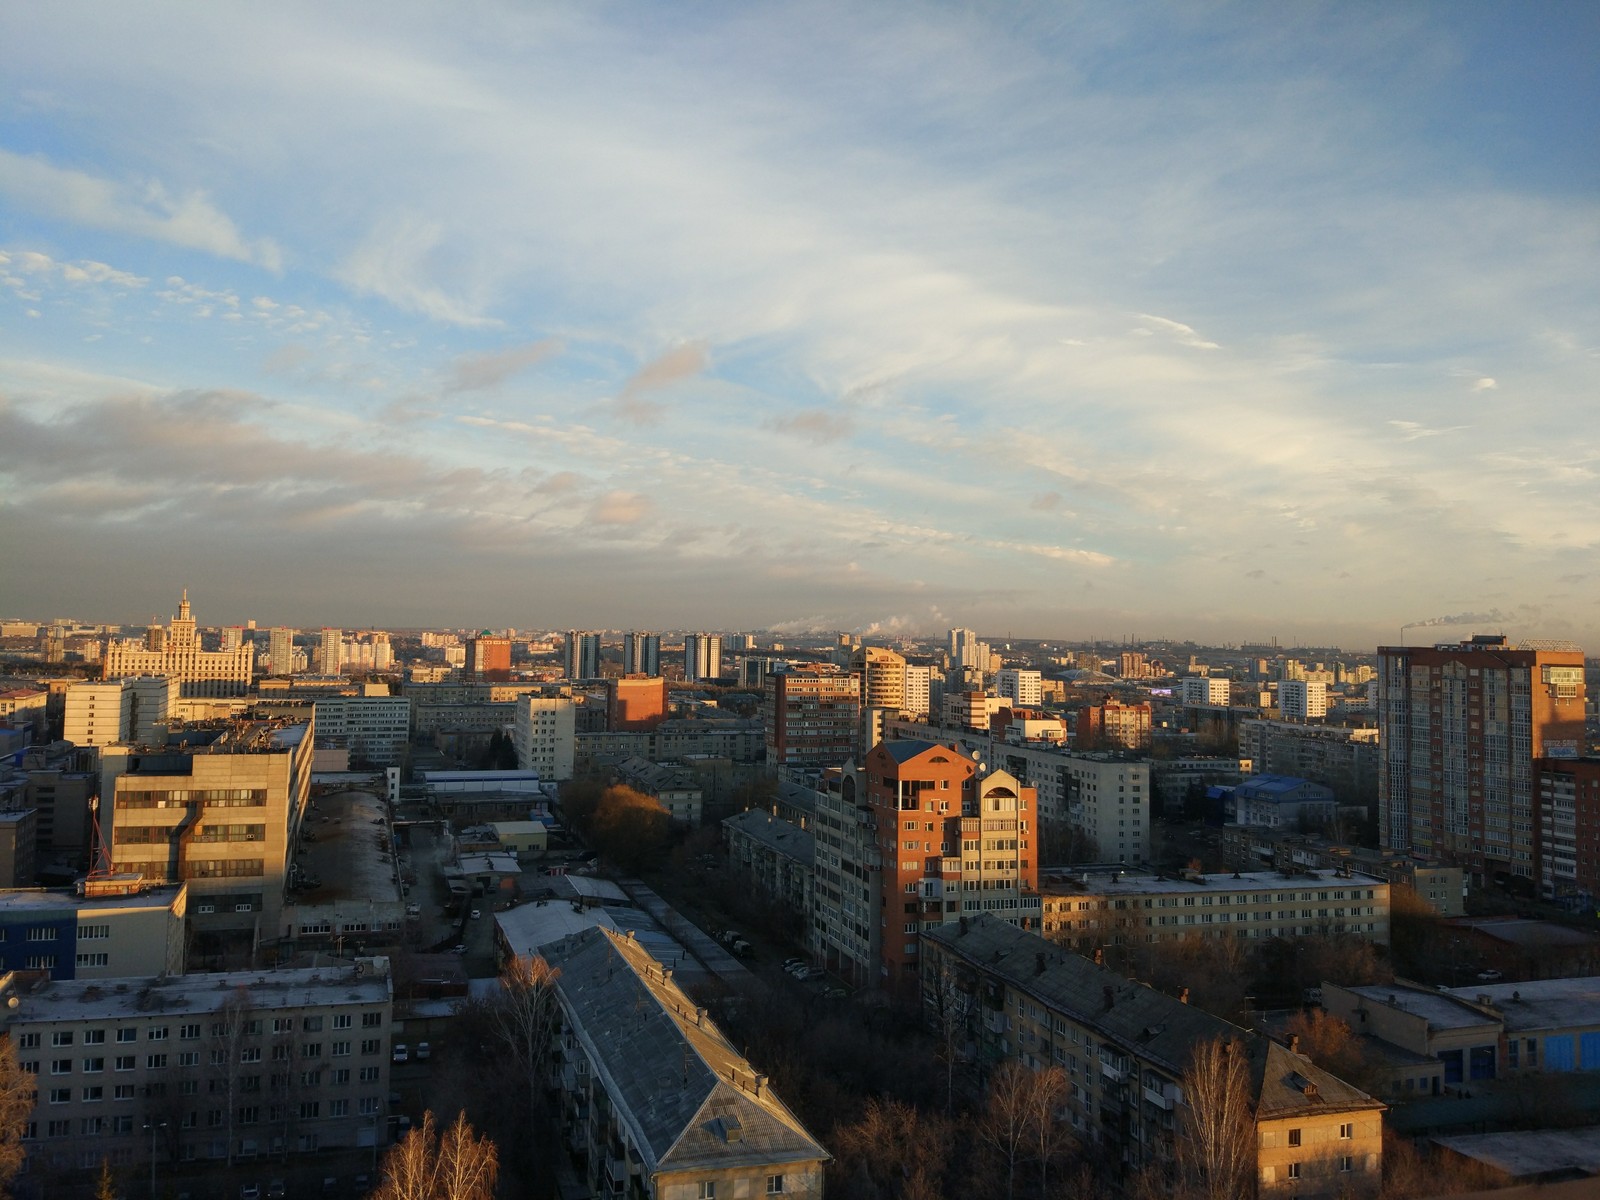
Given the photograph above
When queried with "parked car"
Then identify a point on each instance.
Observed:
(401, 1052)
(423, 1051)
(250, 1191)
(790, 964)
(277, 1190)
(1489, 976)
(476, 914)
(458, 948)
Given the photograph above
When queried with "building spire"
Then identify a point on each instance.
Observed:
(183, 606)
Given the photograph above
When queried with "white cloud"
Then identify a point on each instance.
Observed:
(146, 210)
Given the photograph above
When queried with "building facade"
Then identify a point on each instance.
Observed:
(220, 816)
(1127, 1051)
(702, 657)
(545, 735)
(951, 842)
(811, 718)
(174, 650)
(582, 658)
(641, 653)
(223, 1067)
(1459, 728)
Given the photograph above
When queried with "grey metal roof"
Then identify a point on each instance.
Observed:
(776, 834)
(689, 1100)
(1145, 1023)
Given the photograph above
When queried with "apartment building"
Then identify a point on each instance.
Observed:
(1126, 1049)
(1024, 688)
(641, 654)
(136, 710)
(951, 840)
(676, 789)
(775, 857)
(635, 702)
(1112, 725)
(174, 650)
(545, 735)
(376, 729)
(488, 657)
(1303, 699)
(219, 813)
(1344, 759)
(1094, 907)
(582, 658)
(844, 927)
(223, 1066)
(1568, 802)
(1459, 729)
(811, 718)
(655, 1102)
(1204, 691)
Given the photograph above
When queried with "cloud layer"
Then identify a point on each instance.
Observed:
(1146, 321)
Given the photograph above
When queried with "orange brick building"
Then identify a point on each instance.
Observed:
(635, 702)
(953, 842)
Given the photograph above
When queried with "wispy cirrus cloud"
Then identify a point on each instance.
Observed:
(145, 209)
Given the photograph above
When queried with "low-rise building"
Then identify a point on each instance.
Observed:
(1090, 907)
(776, 858)
(676, 789)
(1282, 802)
(1126, 1050)
(111, 932)
(222, 1066)
(655, 1101)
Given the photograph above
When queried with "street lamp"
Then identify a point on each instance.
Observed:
(153, 1127)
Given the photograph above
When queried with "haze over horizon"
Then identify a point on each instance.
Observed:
(1222, 322)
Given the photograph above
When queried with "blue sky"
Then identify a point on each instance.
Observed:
(1212, 321)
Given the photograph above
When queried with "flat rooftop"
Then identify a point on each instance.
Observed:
(67, 899)
(1541, 1003)
(1130, 883)
(1531, 1153)
(77, 999)
(1441, 1010)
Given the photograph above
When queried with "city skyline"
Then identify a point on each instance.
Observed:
(1216, 324)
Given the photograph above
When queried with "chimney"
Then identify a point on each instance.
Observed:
(1110, 997)
(761, 1082)
(1294, 1043)
(1099, 956)
(700, 1018)
(1183, 996)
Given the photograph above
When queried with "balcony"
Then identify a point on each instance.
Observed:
(1110, 1070)
(1158, 1097)
(994, 1022)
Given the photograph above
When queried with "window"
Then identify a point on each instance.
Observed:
(158, 1034)
(338, 1108)
(61, 1037)
(123, 1091)
(1294, 1137)
(127, 1035)
(1347, 1131)
(342, 1021)
(94, 1037)
(708, 1190)
(774, 1185)
(313, 1025)
(28, 1041)
(189, 1032)
(372, 1020)
(1294, 1170)
(94, 1065)
(311, 1050)
(1347, 1162)
(60, 1095)
(155, 1062)
(61, 1066)
(282, 1024)
(189, 1058)
(124, 1062)
(369, 1046)
(341, 1049)
(369, 1074)
(309, 1109)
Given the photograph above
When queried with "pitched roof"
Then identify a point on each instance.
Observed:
(689, 1100)
(1151, 1025)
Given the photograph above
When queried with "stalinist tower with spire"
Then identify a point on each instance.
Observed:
(178, 655)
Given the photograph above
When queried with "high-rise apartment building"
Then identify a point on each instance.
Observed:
(1459, 730)
(918, 691)
(952, 844)
(702, 657)
(545, 735)
(1113, 725)
(1204, 691)
(1025, 688)
(641, 653)
(1303, 699)
(280, 650)
(583, 655)
(175, 650)
(966, 650)
(331, 653)
(811, 718)
(119, 710)
(1568, 801)
(489, 657)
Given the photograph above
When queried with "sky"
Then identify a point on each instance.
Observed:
(1190, 320)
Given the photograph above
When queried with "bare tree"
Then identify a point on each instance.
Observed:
(1046, 1095)
(236, 1022)
(524, 1014)
(427, 1165)
(1009, 1116)
(17, 1090)
(1216, 1152)
(950, 1008)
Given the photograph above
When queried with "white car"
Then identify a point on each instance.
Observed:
(476, 914)
(401, 1053)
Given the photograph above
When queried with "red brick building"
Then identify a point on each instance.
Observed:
(953, 842)
(635, 702)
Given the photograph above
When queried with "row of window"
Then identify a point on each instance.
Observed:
(190, 1031)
